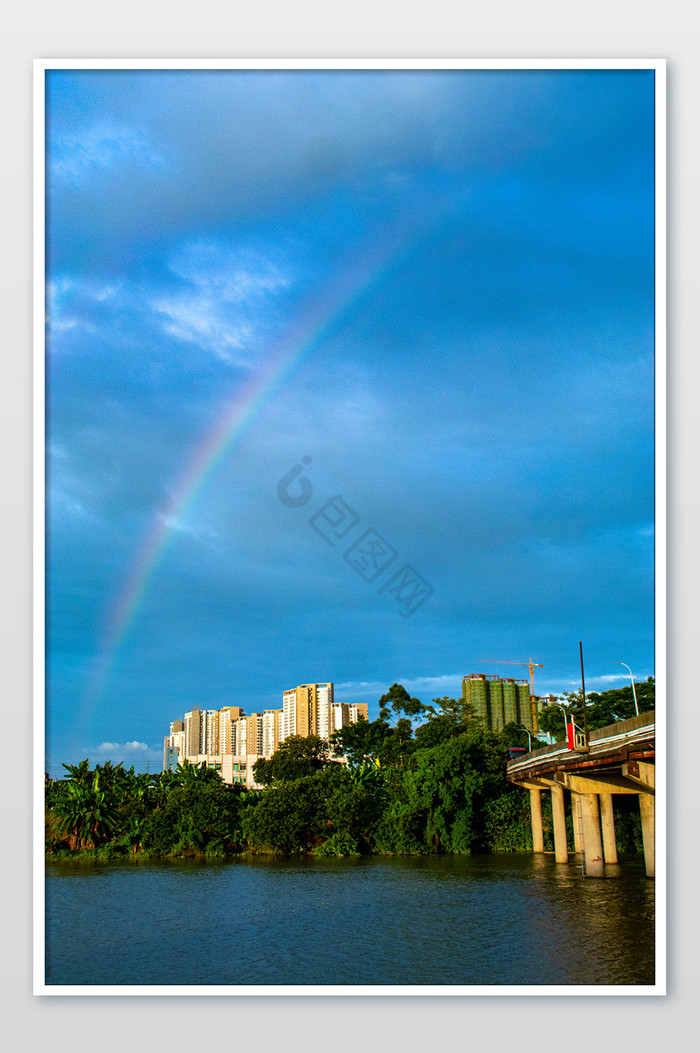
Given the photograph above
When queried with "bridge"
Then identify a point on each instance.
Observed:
(616, 759)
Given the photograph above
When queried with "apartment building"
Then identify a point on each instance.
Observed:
(308, 709)
(230, 741)
(271, 730)
(174, 746)
(499, 701)
(210, 731)
(201, 727)
(344, 713)
(193, 732)
(228, 721)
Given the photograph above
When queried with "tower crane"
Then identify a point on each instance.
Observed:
(529, 663)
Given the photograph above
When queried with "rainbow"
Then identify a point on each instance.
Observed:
(333, 309)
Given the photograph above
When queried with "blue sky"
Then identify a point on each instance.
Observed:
(435, 286)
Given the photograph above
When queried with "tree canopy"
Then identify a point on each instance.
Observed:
(294, 758)
(381, 786)
(602, 708)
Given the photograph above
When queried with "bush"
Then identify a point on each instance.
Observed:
(507, 826)
(198, 817)
(287, 817)
(339, 844)
(401, 831)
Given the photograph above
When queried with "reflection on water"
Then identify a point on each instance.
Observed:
(474, 920)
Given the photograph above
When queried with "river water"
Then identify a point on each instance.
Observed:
(445, 920)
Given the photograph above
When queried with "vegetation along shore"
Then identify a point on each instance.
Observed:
(421, 778)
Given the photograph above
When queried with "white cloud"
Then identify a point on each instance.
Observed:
(609, 679)
(227, 298)
(233, 275)
(126, 747)
(360, 685)
(73, 156)
(137, 754)
(196, 319)
(200, 534)
(421, 683)
(69, 299)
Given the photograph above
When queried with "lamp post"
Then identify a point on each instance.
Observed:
(583, 696)
(566, 716)
(634, 693)
(529, 737)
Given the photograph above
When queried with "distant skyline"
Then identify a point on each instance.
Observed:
(426, 299)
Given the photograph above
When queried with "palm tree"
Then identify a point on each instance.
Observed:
(133, 835)
(85, 810)
(189, 773)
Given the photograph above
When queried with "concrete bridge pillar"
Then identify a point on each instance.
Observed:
(618, 759)
(647, 809)
(607, 821)
(592, 844)
(559, 822)
(577, 821)
(536, 814)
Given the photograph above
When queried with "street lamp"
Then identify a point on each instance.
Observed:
(566, 716)
(634, 693)
(529, 736)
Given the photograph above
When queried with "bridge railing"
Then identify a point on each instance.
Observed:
(620, 728)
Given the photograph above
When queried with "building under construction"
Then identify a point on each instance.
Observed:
(498, 701)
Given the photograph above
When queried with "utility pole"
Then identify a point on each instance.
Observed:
(583, 699)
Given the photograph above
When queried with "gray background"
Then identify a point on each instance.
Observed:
(540, 29)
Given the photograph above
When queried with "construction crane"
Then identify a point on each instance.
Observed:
(530, 663)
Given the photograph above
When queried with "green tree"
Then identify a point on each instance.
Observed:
(199, 816)
(354, 799)
(550, 721)
(517, 735)
(401, 828)
(618, 703)
(457, 709)
(507, 824)
(361, 741)
(133, 833)
(602, 708)
(450, 783)
(397, 745)
(439, 729)
(188, 773)
(85, 810)
(294, 758)
(399, 701)
(438, 803)
(288, 817)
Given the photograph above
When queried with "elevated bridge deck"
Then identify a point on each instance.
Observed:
(618, 759)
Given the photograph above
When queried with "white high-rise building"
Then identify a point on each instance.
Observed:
(227, 721)
(344, 713)
(310, 709)
(300, 709)
(201, 727)
(323, 710)
(229, 741)
(271, 730)
(210, 736)
(174, 746)
(193, 732)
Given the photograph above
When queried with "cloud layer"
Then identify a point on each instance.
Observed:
(483, 403)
